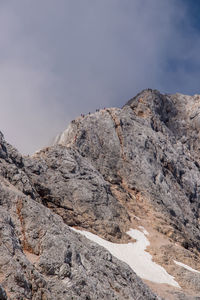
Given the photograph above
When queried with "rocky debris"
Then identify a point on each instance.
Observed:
(148, 153)
(134, 147)
(167, 292)
(107, 172)
(11, 168)
(69, 185)
(42, 258)
(3, 295)
(186, 123)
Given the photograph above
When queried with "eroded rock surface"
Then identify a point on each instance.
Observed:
(69, 185)
(134, 147)
(148, 152)
(42, 258)
(107, 172)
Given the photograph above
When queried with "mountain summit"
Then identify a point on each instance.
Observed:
(110, 211)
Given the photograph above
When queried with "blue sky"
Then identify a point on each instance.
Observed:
(193, 9)
(59, 59)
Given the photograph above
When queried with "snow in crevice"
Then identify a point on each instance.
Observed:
(186, 267)
(135, 256)
(143, 230)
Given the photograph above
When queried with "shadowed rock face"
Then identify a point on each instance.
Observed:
(41, 257)
(107, 172)
(136, 148)
(148, 152)
(69, 185)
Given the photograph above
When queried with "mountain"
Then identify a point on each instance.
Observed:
(110, 211)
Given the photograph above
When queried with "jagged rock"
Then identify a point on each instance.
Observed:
(69, 185)
(11, 168)
(107, 172)
(148, 153)
(42, 258)
(3, 295)
(134, 147)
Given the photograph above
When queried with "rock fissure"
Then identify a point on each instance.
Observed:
(117, 169)
(118, 129)
(19, 207)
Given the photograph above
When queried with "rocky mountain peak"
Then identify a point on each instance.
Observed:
(152, 104)
(123, 178)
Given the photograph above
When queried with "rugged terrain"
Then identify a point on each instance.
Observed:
(108, 172)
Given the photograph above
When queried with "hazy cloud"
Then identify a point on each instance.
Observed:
(59, 59)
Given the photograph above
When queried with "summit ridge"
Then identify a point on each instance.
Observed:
(109, 172)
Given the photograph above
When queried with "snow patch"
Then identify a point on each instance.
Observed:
(143, 230)
(135, 256)
(185, 266)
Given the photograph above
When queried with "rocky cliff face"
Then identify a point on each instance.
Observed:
(107, 172)
(41, 257)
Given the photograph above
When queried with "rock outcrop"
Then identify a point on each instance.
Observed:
(68, 184)
(107, 172)
(134, 149)
(148, 153)
(41, 257)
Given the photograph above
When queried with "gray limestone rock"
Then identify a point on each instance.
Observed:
(136, 147)
(42, 258)
(69, 185)
(11, 168)
(104, 168)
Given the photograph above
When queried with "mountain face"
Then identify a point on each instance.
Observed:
(123, 178)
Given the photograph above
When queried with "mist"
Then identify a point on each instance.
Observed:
(62, 58)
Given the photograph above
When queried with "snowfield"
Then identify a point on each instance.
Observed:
(185, 266)
(135, 256)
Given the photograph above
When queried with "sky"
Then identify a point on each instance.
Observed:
(61, 58)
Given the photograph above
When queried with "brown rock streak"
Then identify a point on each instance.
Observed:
(19, 207)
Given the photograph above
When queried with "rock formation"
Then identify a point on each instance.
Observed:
(115, 169)
(41, 257)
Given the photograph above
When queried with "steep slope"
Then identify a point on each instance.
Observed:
(41, 257)
(148, 153)
(134, 169)
(69, 185)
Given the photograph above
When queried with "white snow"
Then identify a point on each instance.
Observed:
(185, 266)
(143, 230)
(135, 256)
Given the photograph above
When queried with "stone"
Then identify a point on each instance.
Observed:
(109, 171)
(42, 258)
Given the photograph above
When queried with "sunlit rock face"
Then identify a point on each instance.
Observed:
(41, 257)
(108, 173)
(148, 152)
(138, 148)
